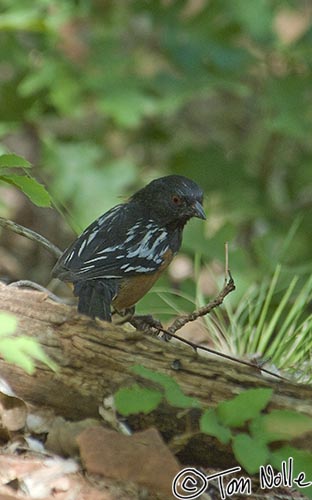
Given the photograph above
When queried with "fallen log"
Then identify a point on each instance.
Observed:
(95, 359)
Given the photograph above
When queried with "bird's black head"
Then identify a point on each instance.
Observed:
(172, 200)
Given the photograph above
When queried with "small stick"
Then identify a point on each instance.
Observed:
(229, 286)
(221, 354)
(31, 235)
(40, 288)
(226, 249)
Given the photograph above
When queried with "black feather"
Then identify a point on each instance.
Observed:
(123, 242)
(95, 297)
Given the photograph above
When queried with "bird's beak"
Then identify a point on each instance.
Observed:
(198, 210)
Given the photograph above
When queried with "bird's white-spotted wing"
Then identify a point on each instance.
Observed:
(118, 244)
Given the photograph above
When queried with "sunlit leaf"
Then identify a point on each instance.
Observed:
(250, 453)
(209, 424)
(136, 399)
(35, 191)
(12, 160)
(243, 407)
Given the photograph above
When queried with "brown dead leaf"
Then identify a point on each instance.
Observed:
(142, 458)
(62, 435)
(13, 412)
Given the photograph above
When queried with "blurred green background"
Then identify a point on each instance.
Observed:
(103, 96)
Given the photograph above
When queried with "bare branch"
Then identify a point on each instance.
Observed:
(31, 235)
(179, 322)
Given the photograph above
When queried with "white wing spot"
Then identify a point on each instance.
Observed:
(102, 257)
(82, 246)
(92, 236)
(69, 257)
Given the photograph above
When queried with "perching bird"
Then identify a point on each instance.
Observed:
(118, 258)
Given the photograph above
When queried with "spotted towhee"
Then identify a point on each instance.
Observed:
(118, 258)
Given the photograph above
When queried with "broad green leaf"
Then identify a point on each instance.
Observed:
(245, 406)
(209, 424)
(136, 399)
(300, 460)
(281, 425)
(173, 392)
(250, 452)
(12, 160)
(148, 374)
(35, 191)
(8, 324)
(176, 397)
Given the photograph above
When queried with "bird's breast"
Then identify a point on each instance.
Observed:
(133, 288)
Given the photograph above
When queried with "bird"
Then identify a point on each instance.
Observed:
(118, 257)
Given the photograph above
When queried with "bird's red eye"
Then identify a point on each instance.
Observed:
(176, 200)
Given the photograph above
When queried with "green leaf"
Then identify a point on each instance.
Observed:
(136, 399)
(245, 406)
(302, 465)
(173, 393)
(25, 20)
(8, 324)
(22, 351)
(250, 453)
(175, 397)
(33, 189)
(209, 424)
(281, 425)
(12, 160)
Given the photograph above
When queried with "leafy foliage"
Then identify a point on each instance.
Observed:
(35, 191)
(216, 91)
(172, 391)
(12, 160)
(19, 349)
(239, 421)
(210, 424)
(243, 407)
(136, 399)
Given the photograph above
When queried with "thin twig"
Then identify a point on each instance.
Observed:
(149, 326)
(221, 354)
(179, 322)
(40, 288)
(229, 286)
(31, 235)
(226, 249)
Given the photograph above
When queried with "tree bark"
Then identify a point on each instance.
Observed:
(95, 359)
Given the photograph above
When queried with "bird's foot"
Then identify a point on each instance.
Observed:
(146, 323)
(125, 316)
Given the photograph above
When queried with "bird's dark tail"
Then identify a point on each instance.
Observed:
(95, 298)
